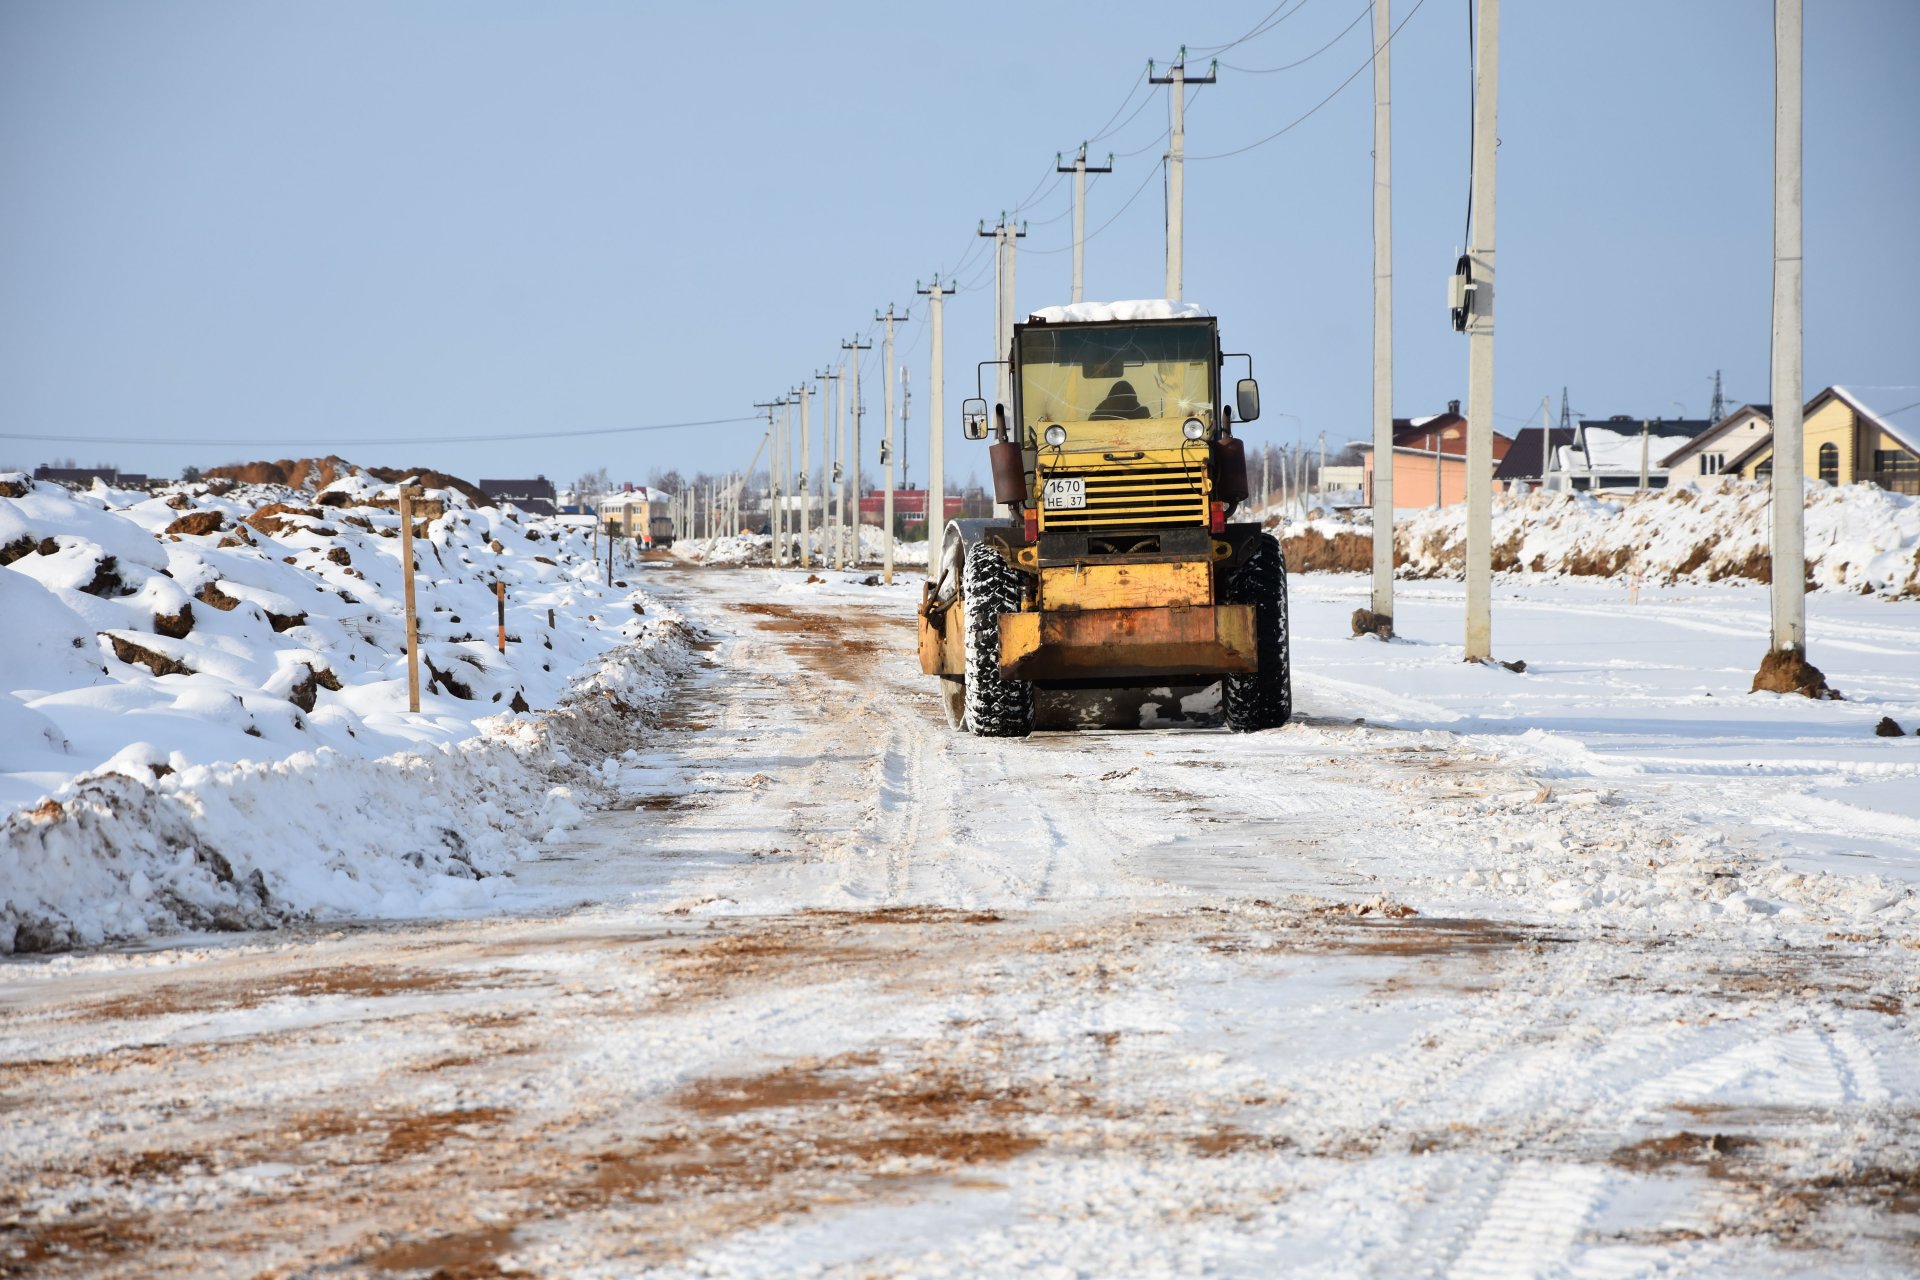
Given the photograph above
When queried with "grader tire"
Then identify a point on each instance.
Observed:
(997, 706)
(1262, 699)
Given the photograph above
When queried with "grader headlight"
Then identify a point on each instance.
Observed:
(1055, 435)
(1193, 428)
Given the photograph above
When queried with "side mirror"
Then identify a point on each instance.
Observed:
(1247, 393)
(973, 418)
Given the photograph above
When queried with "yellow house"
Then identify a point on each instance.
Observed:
(1852, 435)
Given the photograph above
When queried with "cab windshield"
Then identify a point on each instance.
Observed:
(1116, 372)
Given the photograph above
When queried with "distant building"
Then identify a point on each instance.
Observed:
(1851, 435)
(1613, 453)
(536, 495)
(635, 513)
(83, 477)
(1706, 455)
(1429, 460)
(1530, 458)
(909, 506)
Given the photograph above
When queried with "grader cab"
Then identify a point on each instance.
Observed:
(1117, 564)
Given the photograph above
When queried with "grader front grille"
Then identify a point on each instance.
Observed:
(1172, 493)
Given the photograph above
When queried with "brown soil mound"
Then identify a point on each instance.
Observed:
(272, 518)
(1313, 552)
(307, 692)
(158, 663)
(211, 594)
(1788, 671)
(174, 625)
(318, 473)
(1367, 622)
(197, 523)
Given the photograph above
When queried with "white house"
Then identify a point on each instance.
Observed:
(1707, 454)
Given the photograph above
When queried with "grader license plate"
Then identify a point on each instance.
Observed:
(1065, 494)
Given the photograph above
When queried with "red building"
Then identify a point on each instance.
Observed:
(909, 506)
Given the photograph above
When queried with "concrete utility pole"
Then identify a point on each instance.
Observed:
(936, 430)
(782, 520)
(853, 453)
(806, 435)
(1479, 477)
(1546, 441)
(825, 474)
(886, 452)
(773, 445)
(1382, 329)
(1788, 657)
(1177, 80)
(840, 475)
(1004, 235)
(1080, 169)
(832, 510)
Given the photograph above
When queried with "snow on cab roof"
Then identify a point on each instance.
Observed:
(1137, 309)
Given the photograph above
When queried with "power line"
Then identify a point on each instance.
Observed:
(1106, 129)
(332, 441)
(1267, 71)
(1260, 28)
(1292, 125)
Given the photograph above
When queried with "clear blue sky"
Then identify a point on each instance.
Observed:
(293, 222)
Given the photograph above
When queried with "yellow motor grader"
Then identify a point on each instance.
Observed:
(1117, 565)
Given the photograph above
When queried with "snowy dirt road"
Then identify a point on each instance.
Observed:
(841, 992)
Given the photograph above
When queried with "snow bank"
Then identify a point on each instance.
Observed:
(203, 703)
(1136, 309)
(1860, 538)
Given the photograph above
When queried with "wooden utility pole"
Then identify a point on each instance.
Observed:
(413, 623)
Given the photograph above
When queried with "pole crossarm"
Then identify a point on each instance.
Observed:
(1080, 164)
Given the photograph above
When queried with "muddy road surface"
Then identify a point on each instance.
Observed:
(839, 992)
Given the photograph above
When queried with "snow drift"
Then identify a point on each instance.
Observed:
(203, 703)
(1859, 538)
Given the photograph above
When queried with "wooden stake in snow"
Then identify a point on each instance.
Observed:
(500, 595)
(413, 623)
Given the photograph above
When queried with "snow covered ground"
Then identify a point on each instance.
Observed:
(203, 715)
(1600, 969)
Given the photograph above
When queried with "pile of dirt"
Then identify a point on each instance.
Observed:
(1344, 551)
(1788, 671)
(318, 473)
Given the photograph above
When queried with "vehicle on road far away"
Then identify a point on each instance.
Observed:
(1116, 566)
